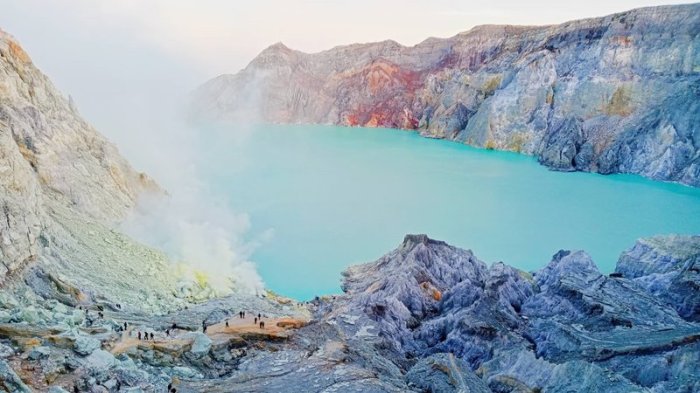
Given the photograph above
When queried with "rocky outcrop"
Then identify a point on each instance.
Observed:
(619, 94)
(524, 332)
(668, 267)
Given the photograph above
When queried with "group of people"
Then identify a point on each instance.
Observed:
(145, 335)
(256, 321)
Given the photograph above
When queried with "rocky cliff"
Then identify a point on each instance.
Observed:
(619, 94)
(63, 187)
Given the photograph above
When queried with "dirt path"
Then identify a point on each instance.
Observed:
(275, 328)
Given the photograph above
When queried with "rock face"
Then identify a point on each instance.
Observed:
(50, 158)
(667, 267)
(613, 94)
(63, 189)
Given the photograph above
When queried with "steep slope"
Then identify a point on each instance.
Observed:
(613, 94)
(63, 187)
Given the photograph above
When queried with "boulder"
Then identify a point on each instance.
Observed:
(85, 345)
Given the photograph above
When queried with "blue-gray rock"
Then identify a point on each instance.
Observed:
(668, 267)
(85, 345)
(201, 344)
(444, 373)
(9, 381)
(40, 352)
(100, 361)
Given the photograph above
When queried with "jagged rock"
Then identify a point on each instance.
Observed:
(668, 267)
(403, 286)
(614, 94)
(444, 373)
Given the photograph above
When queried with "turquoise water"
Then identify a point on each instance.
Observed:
(336, 196)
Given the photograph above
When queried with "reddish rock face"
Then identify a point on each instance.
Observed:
(389, 91)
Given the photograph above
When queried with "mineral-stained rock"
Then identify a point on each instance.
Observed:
(614, 94)
(566, 327)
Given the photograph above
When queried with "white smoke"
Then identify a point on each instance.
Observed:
(202, 238)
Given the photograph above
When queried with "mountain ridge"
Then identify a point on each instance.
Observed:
(615, 94)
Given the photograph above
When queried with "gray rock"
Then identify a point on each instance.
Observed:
(201, 344)
(85, 345)
(6, 351)
(40, 352)
(668, 267)
(444, 373)
(10, 381)
(100, 361)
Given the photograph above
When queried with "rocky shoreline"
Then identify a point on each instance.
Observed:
(426, 317)
(617, 94)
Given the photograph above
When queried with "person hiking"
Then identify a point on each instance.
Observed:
(255, 321)
(151, 335)
(124, 325)
(227, 323)
(167, 332)
(139, 335)
(262, 325)
(259, 316)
